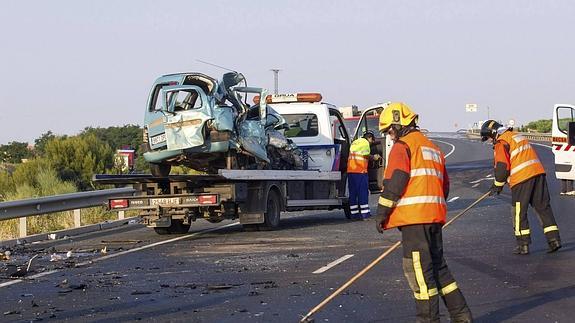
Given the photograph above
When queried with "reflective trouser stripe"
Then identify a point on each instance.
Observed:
(449, 288)
(550, 228)
(365, 211)
(517, 218)
(423, 292)
(432, 292)
(523, 232)
(353, 206)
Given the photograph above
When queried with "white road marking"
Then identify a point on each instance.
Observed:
(475, 185)
(121, 253)
(332, 264)
(445, 142)
(453, 199)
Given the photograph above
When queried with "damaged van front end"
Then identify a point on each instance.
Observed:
(194, 120)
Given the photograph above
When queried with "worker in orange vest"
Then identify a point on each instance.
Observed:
(516, 162)
(357, 177)
(415, 187)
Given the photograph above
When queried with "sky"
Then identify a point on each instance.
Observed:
(67, 65)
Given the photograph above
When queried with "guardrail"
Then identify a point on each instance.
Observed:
(58, 203)
(529, 135)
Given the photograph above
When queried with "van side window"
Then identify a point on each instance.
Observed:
(564, 116)
(301, 125)
(156, 102)
(185, 100)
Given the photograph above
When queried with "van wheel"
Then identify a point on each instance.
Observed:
(160, 170)
(272, 215)
(176, 227)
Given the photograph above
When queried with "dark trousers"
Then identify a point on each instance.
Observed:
(428, 275)
(532, 192)
(358, 185)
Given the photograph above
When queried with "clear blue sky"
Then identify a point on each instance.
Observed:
(65, 65)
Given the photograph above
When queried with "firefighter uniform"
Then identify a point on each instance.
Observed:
(357, 178)
(416, 185)
(516, 162)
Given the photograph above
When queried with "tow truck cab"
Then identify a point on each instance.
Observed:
(319, 129)
(563, 137)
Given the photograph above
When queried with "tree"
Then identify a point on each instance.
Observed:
(77, 158)
(6, 184)
(117, 137)
(40, 143)
(543, 125)
(14, 152)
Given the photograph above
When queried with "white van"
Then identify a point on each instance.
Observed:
(563, 134)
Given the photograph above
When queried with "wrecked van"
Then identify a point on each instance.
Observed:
(194, 120)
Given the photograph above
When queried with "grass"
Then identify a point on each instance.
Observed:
(47, 183)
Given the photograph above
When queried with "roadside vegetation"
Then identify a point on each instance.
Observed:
(58, 165)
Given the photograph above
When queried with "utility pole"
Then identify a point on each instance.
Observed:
(276, 76)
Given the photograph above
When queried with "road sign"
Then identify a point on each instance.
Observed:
(471, 107)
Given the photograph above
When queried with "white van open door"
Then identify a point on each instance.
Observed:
(563, 134)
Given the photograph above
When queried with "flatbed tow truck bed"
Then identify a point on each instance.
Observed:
(257, 197)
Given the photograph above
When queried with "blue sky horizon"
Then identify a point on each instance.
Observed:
(67, 65)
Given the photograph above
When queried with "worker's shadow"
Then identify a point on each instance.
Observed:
(528, 303)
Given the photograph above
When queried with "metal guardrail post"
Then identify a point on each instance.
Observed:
(22, 228)
(77, 219)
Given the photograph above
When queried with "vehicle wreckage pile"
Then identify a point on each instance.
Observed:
(205, 124)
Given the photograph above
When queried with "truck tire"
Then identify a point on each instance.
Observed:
(272, 215)
(176, 227)
(347, 211)
(160, 170)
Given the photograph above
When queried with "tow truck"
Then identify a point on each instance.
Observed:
(169, 204)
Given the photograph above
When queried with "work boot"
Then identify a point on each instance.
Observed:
(522, 249)
(554, 245)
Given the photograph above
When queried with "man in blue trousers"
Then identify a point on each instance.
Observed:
(357, 178)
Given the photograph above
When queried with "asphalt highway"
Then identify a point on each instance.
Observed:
(218, 273)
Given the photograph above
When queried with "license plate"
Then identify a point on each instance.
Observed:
(165, 201)
(158, 139)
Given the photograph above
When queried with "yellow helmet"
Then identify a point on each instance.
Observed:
(397, 113)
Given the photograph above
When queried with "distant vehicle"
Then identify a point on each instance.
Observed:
(194, 120)
(563, 138)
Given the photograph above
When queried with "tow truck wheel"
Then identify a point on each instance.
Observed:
(160, 170)
(347, 211)
(272, 215)
(177, 226)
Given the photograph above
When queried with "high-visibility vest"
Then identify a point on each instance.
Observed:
(523, 162)
(358, 160)
(423, 200)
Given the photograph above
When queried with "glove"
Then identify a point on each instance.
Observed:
(376, 157)
(495, 190)
(382, 215)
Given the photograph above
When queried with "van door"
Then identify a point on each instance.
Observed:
(187, 110)
(369, 121)
(563, 142)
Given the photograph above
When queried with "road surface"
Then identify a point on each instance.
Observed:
(218, 273)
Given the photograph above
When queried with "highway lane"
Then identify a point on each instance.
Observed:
(234, 276)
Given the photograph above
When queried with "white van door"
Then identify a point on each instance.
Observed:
(563, 148)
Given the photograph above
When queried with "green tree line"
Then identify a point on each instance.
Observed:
(58, 165)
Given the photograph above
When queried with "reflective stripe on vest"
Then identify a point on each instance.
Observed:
(358, 160)
(423, 200)
(524, 162)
